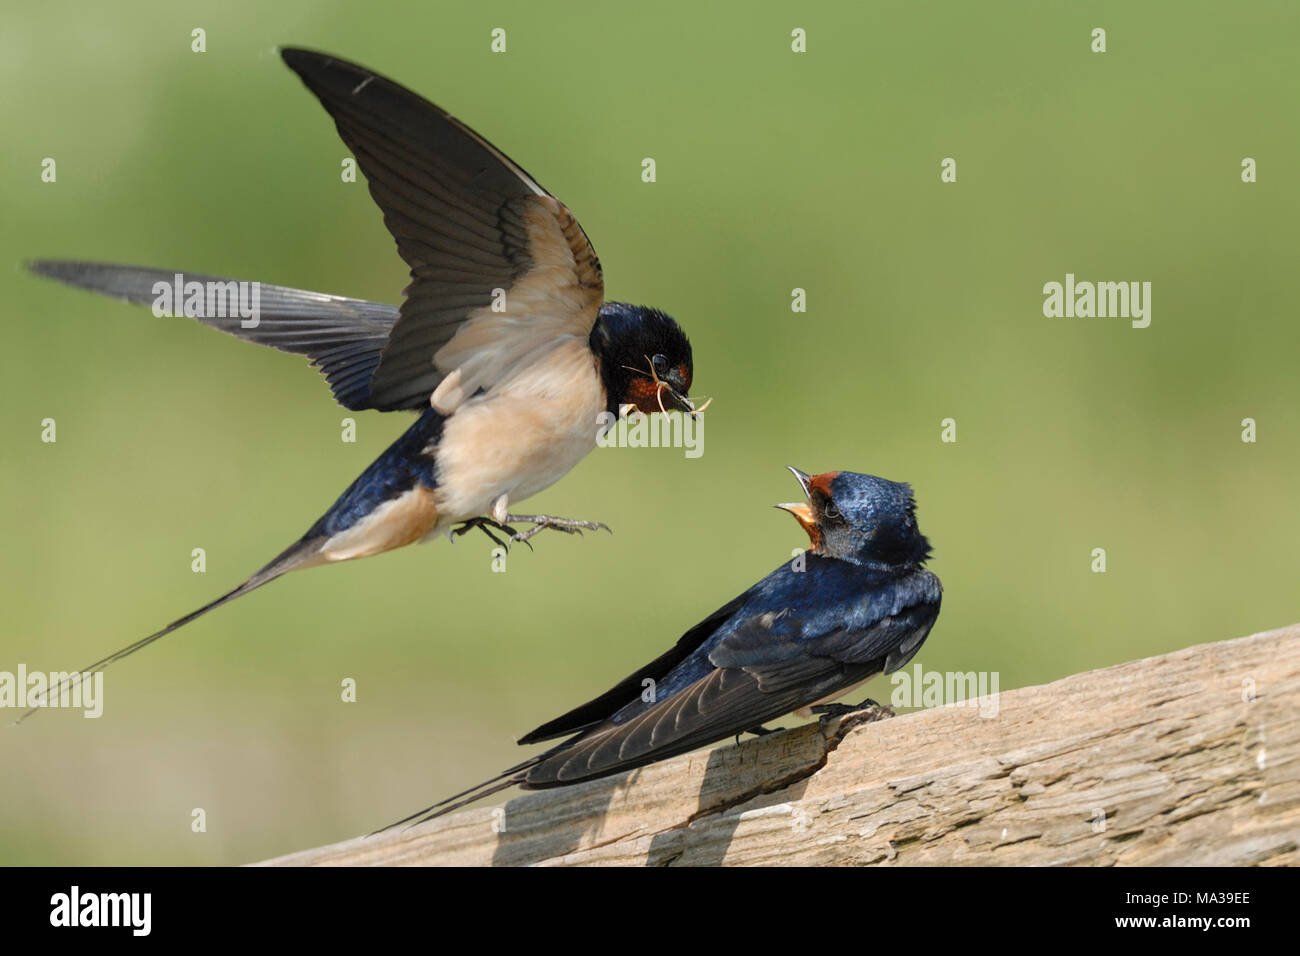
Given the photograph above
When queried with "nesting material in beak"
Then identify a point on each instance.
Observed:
(675, 386)
(675, 399)
(672, 387)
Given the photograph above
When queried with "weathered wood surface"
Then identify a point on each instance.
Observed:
(1188, 758)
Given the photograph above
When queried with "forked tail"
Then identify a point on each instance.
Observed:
(503, 781)
(294, 557)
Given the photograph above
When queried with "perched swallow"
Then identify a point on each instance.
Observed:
(861, 603)
(504, 345)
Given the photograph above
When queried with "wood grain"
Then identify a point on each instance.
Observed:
(1192, 757)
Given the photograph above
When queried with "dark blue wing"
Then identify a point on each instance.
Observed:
(866, 622)
(630, 688)
(343, 337)
(765, 662)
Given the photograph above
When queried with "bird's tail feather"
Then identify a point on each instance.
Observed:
(291, 558)
(508, 778)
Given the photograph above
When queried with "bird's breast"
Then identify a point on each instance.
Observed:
(521, 436)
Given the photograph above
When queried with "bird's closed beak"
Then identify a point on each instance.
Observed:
(801, 510)
(673, 389)
(678, 400)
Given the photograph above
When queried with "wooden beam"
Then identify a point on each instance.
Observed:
(1192, 757)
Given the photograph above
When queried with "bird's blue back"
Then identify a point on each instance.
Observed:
(402, 465)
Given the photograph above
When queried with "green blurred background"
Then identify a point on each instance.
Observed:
(775, 171)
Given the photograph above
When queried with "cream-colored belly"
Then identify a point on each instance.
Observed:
(394, 524)
(521, 437)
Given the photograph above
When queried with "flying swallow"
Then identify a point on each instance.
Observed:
(860, 603)
(503, 346)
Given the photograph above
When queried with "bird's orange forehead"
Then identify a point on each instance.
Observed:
(684, 372)
(822, 482)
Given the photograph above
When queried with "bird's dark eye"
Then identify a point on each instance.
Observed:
(825, 506)
(660, 363)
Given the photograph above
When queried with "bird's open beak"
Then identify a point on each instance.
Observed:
(801, 510)
(802, 477)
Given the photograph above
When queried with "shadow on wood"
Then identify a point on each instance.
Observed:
(1188, 758)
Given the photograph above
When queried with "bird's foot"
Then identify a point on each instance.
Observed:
(542, 522)
(759, 731)
(487, 526)
(867, 712)
(763, 731)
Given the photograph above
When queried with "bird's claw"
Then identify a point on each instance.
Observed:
(487, 525)
(759, 731)
(869, 711)
(542, 522)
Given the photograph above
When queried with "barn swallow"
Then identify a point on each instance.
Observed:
(503, 345)
(860, 604)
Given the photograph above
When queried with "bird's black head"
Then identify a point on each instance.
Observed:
(860, 518)
(645, 358)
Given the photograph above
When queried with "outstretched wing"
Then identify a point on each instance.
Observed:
(477, 232)
(343, 337)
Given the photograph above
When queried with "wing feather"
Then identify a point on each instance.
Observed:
(476, 231)
(768, 665)
(343, 337)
